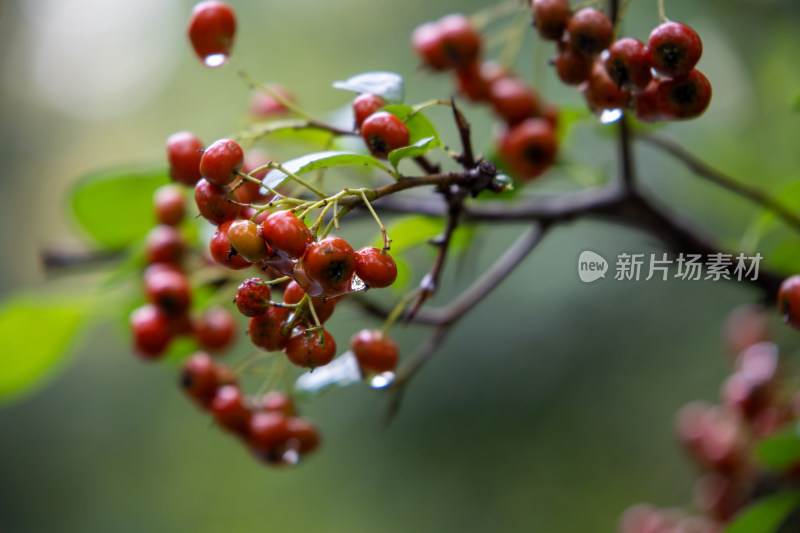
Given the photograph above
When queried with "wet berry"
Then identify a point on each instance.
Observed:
(551, 17)
(214, 203)
(628, 64)
(383, 133)
(169, 204)
(266, 330)
(284, 232)
(164, 244)
(253, 297)
(151, 332)
(169, 290)
(308, 349)
(215, 329)
(590, 31)
(514, 100)
(675, 49)
(211, 28)
(366, 104)
(529, 148)
(245, 238)
(789, 301)
(221, 251)
(685, 97)
(184, 150)
(331, 263)
(221, 160)
(375, 268)
(374, 351)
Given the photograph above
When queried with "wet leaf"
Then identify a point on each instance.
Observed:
(387, 85)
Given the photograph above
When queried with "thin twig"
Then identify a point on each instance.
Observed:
(717, 177)
(458, 308)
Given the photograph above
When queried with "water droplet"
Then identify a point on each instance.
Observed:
(382, 380)
(610, 115)
(291, 456)
(215, 60)
(357, 284)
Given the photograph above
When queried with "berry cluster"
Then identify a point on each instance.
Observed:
(312, 272)
(657, 80)
(720, 439)
(167, 289)
(527, 141)
(269, 424)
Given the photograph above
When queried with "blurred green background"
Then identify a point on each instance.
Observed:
(550, 407)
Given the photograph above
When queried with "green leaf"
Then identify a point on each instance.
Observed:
(318, 160)
(115, 207)
(414, 150)
(341, 372)
(410, 231)
(35, 335)
(569, 117)
(767, 221)
(782, 450)
(387, 85)
(766, 515)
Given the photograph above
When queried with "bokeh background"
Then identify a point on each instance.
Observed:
(550, 407)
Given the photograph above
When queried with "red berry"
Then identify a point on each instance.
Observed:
(514, 100)
(375, 351)
(303, 435)
(278, 401)
(323, 307)
(229, 409)
(201, 377)
(214, 329)
(253, 297)
(590, 31)
(307, 348)
(572, 67)
(211, 28)
(375, 268)
(601, 92)
(529, 148)
(366, 104)
(221, 160)
(214, 203)
(460, 39)
(245, 238)
(169, 290)
(164, 244)
(675, 49)
(551, 18)
(263, 105)
(384, 132)
(330, 263)
(451, 42)
(266, 330)
(284, 232)
(745, 326)
(628, 64)
(221, 251)
(268, 433)
(471, 82)
(789, 301)
(169, 204)
(184, 151)
(427, 43)
(151, 331)
(645, 103)
(685, 97)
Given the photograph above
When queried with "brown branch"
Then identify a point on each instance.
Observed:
(717, 177)
(445, 318)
